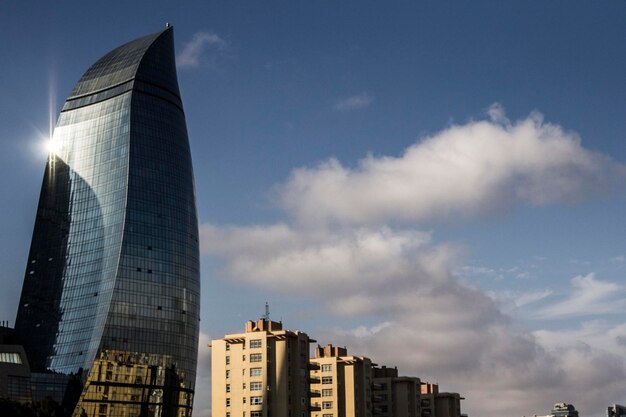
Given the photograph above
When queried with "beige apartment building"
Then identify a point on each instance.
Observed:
(393, 395)
(340, 384)
(448, 404)
(439, 404)
(262, 372)
(427, 399)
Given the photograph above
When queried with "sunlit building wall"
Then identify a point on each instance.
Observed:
(340, 384)
(112, 278)
(262, 372)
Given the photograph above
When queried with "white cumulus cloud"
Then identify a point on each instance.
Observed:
(460, 172)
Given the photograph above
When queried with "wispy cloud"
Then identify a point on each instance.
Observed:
(197, 50)
(588, 297)
(359, 101)
(511, 300)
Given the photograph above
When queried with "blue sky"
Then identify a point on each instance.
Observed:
(447, 176)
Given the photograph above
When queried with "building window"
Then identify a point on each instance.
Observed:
(327, 367)
(227, 346)
(256, 400)
(256, 357)
(255, 343)
(227, 387)
(10, 357)
(227, 374)
(243, 358)
(255, 371)
(327, 393)
(227, 402)
(327, 380)
(227, 360)
(256, 386)
(256, 414)
(327, 405)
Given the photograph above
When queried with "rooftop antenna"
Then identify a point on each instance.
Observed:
(267, 311)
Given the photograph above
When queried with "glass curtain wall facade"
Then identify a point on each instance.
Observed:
(109, 309)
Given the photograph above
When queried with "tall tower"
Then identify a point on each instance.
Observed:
(109, 308)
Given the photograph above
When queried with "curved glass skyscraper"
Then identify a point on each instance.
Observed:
(110, 304)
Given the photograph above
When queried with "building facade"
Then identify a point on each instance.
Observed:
(393, 395)
(340, 384)
(262, 372)
(448, 404)
(427, 399)
(109, 308)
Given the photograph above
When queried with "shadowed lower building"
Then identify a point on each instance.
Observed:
(393, 395)
(109, 309)
(14, 369)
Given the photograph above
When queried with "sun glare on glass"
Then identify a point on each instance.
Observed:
(53, 146)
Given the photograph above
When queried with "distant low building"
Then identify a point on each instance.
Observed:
(564, 410)
(561, 410)
(616, 410)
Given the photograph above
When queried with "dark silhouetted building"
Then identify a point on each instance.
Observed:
(14, 369)
(616, 410)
